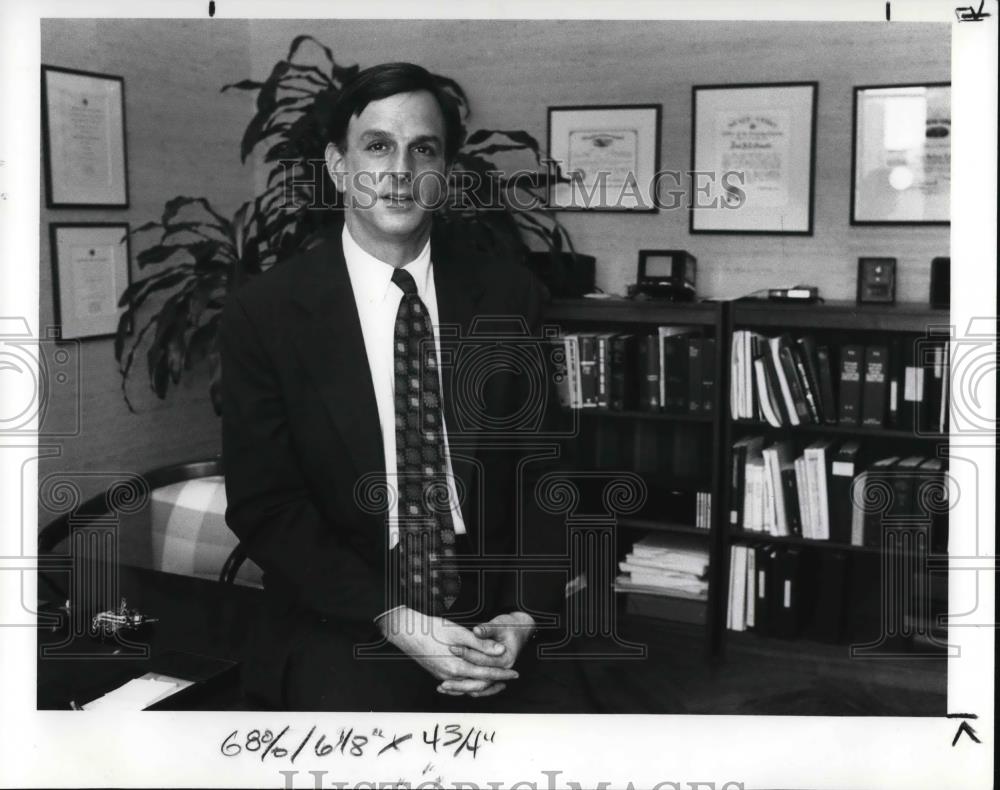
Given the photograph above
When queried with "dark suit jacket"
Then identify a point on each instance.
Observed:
(302, 446)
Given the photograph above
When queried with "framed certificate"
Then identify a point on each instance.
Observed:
(90, 272)
(901, 157)
(610, 154)
(753, 154)
(83, 137)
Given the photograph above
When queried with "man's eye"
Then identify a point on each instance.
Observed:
(376, 147)
(425, 150)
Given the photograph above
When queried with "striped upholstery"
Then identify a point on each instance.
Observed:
(189, 532)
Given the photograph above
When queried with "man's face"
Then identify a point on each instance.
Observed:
(393, 170)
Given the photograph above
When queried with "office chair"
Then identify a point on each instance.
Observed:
(59, 529)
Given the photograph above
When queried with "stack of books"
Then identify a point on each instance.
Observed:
(666, 576)
(671, 371)
(789, 382)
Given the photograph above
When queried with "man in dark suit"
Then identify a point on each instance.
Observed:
(362, 466)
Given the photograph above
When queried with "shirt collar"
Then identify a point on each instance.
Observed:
(371, 278)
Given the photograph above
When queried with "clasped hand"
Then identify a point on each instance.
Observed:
(476, 661)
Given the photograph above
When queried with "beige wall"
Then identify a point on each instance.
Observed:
(183, 138)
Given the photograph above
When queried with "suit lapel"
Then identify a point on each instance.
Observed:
(332, 350)
(331, 347)
(458, 293)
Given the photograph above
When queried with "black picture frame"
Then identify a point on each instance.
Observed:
(554, 149)
(806, 228)
(59, 279)
(52, 177)
(858, 90)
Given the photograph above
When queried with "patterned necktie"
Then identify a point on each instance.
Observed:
(426, 533)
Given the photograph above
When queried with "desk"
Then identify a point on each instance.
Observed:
(195, 616)
(213, 619)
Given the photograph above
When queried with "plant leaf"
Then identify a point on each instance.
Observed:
(158, 253)
(267, 96)
(138, 291)
(159, 374)
(298, 41)
(201, 340)
(126, 322)
(344, 74)
(144, 227)
(166, 324)
(175, 357)
(251, 135)
(478, 136)
(521, 138)
(497, 147)
(243, 85)
(312, 74)
(174, 205)
(456, 90)
(130, 358)
(195, 228)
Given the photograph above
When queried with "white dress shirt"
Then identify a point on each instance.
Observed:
(378, 298)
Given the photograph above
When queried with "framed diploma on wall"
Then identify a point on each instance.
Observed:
(753, 158)
(609, 153)
(83, 137)
(90, 272)
(901, 157)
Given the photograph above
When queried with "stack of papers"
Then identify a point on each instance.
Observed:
(138, 693)
(665, 565)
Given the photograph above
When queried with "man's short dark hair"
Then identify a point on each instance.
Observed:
(388, 79)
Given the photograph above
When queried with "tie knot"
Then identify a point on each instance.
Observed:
(404, 280)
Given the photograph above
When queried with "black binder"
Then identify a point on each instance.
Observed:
(851, 360)
(842, 473)
(828, 621)
(786, 596)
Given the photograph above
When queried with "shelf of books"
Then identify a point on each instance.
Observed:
(835, 451)
(641, 383)
(839, 315)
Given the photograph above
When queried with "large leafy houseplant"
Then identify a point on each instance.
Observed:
(201, 255)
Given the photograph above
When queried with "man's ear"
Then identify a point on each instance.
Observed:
(335, 166)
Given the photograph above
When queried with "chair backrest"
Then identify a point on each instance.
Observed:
(189, 532)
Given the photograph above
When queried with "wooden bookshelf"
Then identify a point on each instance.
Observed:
(633, 414)
(643, 317)
(901, 317)
(750, 536)
(616, 310)
(655, 525)
(861, 431)
(836, 323)
(835, 320)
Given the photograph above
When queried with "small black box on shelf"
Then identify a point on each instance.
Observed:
(941, 283)
(876, 281)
